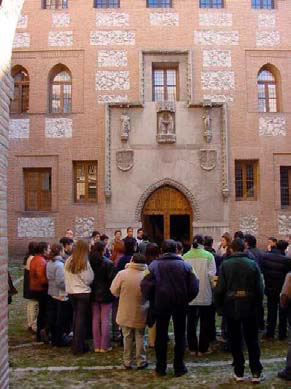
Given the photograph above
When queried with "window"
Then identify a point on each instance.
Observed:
(37, 189)
(55, 4)
(61, 91)
(267, 4)
(165, 83)
(20, 102)
(211, 3)
(267, 91)
(106, 3)
(85, 181)
(285, 186)
(246, 180)
(159, 3)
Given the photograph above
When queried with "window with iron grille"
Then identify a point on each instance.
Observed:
(61, 91)
(159, 3)
(267, 92)
(85, 181)
(263, 4)
(285, 186)
(165, 83)
(106, 3)
(211, 3)
(37, 189)
(246, 177)
(20, 102)
(55, 4)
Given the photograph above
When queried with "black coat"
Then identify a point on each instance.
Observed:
(104, 274)
(171, 284)
(275, 266)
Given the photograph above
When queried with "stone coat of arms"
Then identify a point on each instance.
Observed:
(124, 160)
(208, 159)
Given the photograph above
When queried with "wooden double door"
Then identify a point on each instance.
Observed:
(167, 214)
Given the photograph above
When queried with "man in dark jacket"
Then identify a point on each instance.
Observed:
(238, 295)
(275, 266)
(170, 286)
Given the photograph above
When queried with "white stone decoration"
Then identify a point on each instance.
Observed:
(110, 38)
(60, 38)
(112, 80)
(219, 98)
(272, 126)
(249, 225)
(21, 40)
(219, 58)
(35, 227)
(112, 58)
(284, 224)
(215, 19)
(217, 80)
(266, 20)
(61, 20)
(115, 19)
(104, 99)
(220, 38)
(58, 128)
(22, 21)
(267, 38)
(18, 128)
(84, 226)
(164, 19)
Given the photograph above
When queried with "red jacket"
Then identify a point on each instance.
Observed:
(38, 281)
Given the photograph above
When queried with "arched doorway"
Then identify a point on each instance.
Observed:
(167, 214)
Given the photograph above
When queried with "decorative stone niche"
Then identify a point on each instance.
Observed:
(166, 132)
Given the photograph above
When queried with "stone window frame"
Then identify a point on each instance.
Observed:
(211, 4)
(55, 4)
(262, 4)
(160, 4)
(277, 82)
(243, 164)
(41, 206)
(22, 102)
(86, 163)
(108, 4)
(165, 56)
(165, 67)
(52, 74)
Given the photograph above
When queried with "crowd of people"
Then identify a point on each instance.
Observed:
(115, 291)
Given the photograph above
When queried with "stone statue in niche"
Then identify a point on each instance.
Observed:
(166, 123)
(207, 129)
(125, 126)
(166, 132)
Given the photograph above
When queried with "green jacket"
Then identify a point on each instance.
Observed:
(239, 291)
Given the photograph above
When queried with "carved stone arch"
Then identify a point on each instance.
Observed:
(177, 185)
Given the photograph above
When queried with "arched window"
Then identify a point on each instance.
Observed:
(267, 91)
(20, 102)
(61, 90)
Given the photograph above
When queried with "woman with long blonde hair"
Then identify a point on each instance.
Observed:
(78, 278)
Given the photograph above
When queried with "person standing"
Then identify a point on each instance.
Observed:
(78, 278)
(275, 266)
(101, 297)
(68, 245)
(238, 295)
(117, 247)
(38, 284)
(139, 236)
(132, 311)
(203, 265)
(130, 247)
(32, 304)
(170, 286)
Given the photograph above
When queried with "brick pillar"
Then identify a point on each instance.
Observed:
(9, 13)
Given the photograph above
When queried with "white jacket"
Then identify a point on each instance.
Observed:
(79, 283)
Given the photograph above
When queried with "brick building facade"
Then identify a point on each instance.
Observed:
(116, 103)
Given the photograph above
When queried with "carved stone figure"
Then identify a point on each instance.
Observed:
(125, 126)
(207, 130)
(166, 123)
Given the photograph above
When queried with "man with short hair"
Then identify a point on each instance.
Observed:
(142, 246)
(170, 286)
(130, 236)
(139, 236)
(238, 295)
(272, 244)
(68, 245)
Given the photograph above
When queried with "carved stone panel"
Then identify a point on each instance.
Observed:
(125, 126)
(249, 225)
(166, 127)
(124, 159)
(284, 224)
(208, 159)
(207, 129)
(166, 106)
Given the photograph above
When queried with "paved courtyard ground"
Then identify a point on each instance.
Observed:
(41, 366)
